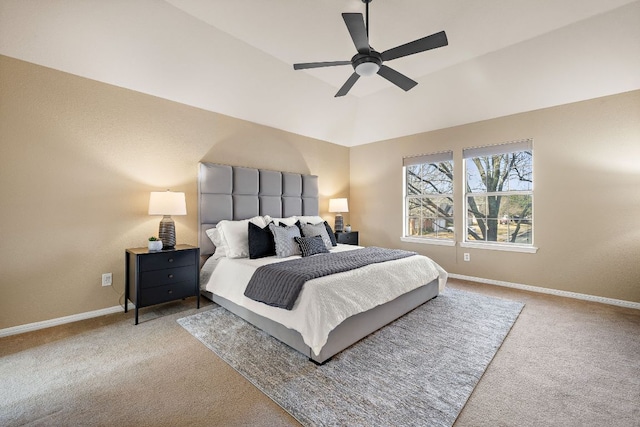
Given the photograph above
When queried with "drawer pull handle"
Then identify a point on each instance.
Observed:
(170, 259)
(171, 276)
(170, 291)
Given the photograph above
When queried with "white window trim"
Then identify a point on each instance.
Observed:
(498, 149)
(421, 240)
(428, 241)
(507, 247)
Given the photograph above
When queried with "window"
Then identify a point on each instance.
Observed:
(428, 197)
(499, 194)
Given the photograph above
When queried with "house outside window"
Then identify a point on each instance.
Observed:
(428, 198)
(499, 194)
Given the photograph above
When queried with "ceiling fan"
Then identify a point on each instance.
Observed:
(368, 62)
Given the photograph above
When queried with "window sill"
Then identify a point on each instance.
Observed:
(500, 247)
(426, 241)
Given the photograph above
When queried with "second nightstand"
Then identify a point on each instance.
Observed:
(347, 238)
(154, 277)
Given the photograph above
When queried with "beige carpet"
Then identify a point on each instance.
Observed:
(565, 362)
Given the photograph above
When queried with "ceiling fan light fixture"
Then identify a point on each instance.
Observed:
(367, 69)
(367, 64)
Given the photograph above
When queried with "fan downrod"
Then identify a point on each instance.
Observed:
(367, 65)
(366, 3)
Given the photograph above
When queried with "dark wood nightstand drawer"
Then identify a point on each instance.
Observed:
(163, 276)
(166, 293)
(347, 238)
(171, 259)
(151, 279)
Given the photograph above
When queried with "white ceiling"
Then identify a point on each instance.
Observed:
(235, 57)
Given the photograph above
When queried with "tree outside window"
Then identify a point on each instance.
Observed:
(429, 196)
(499, 193)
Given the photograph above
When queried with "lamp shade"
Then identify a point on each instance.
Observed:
(338, 205)
(167, 203)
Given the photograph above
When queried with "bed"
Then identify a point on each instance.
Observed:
(233, 195)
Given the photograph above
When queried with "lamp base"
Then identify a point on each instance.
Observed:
(339, 224)
(167, 232)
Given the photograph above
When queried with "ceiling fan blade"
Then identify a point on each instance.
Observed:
(319, 64)
(355, 25)
(398, 79)
(348, 85)
(426, 43)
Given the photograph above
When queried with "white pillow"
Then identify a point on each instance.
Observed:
(310, 219)
(218, 241)
(235, 235)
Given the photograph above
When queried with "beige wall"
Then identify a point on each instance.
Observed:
(586, 199)
(78, 159)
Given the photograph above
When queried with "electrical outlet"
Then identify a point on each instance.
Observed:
(467, 257)
(107, 279)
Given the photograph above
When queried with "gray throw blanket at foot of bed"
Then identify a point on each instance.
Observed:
(279, 284)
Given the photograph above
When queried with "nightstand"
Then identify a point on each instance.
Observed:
(154, 277)
(347, 238)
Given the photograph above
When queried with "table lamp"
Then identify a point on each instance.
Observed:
(167, 203)
(338, 206)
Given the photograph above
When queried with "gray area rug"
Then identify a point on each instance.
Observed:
(417, 371)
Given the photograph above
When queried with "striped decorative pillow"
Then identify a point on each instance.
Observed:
(311, 245)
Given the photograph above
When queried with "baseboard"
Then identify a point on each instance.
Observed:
(575, 295)
(96, 313)
(61, 320)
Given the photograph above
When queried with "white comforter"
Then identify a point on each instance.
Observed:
(321, 305)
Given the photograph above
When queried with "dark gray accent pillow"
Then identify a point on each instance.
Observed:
(332, 235)
(297, 224)
(261, 243)
(311, 245)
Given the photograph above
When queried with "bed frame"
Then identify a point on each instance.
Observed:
(234, 193)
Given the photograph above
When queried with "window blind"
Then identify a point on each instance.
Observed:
(428, 158)
(490, 150)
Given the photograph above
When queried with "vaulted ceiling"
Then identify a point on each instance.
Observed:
(235, 57)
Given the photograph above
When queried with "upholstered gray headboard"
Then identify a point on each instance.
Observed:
(234, 192)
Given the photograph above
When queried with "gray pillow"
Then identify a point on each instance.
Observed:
(284, 240)
(310, 230)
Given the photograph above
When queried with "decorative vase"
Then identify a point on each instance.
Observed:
(347, 229)
(155, 245)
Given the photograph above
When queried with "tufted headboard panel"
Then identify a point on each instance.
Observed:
(234, 192)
